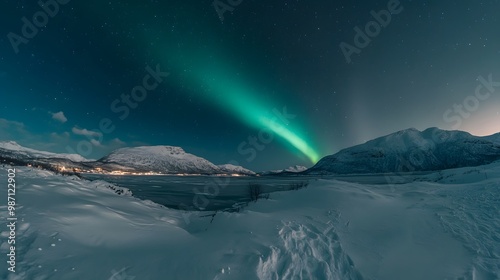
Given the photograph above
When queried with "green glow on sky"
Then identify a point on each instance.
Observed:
(292, 138)
(228, 91)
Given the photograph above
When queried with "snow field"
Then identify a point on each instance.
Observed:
(75, 229)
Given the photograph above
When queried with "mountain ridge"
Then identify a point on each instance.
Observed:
(402, 151)
(142, 159)
(411, 150)
(13, 146)
(158, 159)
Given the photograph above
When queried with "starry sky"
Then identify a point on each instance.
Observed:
(265, 84)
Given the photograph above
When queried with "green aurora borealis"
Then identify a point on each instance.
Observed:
(228, 91)
(227, 79)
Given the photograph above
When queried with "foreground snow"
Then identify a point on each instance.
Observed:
(74, 229)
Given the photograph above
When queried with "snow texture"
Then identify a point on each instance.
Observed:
(445, 228)
(234, 169)
(167, 160)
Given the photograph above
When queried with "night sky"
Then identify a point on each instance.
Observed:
(267, 85)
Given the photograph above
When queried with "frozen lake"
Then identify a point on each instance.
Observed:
(222, 193)
(200, 192)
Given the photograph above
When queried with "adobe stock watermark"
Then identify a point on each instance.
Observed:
(250, 148)
(121, 106)
(363, 38)
(257, 143)
(417, 157)
(222, 6)
(40, 19)
(471, 103)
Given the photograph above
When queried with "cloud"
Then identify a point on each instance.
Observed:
(10, 130)
(58, 142)
(59, 136)
(7, 123)
(17, 131)
(85, 132)
(95, 142)
(118, 142)
(59, 116)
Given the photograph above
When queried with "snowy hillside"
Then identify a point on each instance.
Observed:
(74, 229)
(495, 138)
(295, 168)
(14, 150)
(165, 159)
(411, 150)
(291, 169)
(234, 169)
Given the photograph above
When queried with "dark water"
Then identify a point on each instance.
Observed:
(202, 192)
(227, 193)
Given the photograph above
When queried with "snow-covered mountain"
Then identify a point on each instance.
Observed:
(291, 169)
(296, 169)
(234, 169)
(164, 159)
(167, 160)
(412, 150)
(495, 138)
(13, 150)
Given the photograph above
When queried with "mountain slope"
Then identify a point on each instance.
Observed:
(165, 159)
(289, 170)
(13, 150)
(234, 169)
(162, 159)
(411, 150)
(495, 138)
(296, 169)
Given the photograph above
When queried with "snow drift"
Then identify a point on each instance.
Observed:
(75, 229)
